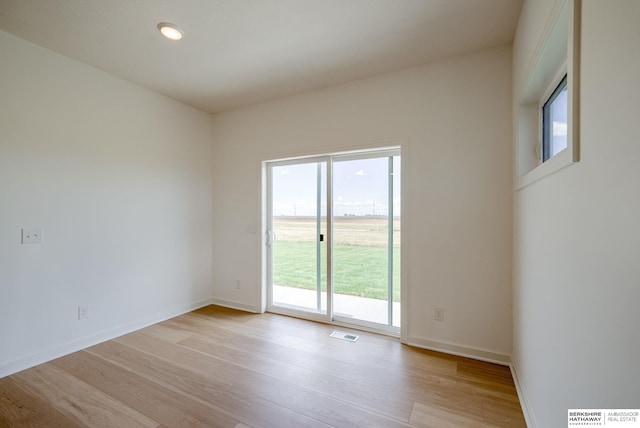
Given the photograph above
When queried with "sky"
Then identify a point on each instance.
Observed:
(360, 187)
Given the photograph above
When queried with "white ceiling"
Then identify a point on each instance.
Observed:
(240, 52)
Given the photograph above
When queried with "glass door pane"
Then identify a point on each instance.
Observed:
(366, 240)
(298, 236)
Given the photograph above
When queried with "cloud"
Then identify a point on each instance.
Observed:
(285, 171)
(360, 173)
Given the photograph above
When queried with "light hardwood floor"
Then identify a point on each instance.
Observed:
(217, 367)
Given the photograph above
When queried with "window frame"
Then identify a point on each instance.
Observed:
(558, 54)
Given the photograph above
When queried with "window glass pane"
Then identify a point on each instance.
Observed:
(554, 116)
(559, 123)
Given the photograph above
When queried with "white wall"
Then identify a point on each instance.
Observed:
(455, 116)
(577, 240)
(119, 178)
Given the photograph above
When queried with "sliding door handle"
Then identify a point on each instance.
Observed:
(271, 237)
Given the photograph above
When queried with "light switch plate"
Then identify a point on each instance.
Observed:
(83, 312)
(32, 235)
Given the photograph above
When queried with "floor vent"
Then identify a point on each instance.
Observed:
(344, 336)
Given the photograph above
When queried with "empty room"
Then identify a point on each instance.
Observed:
(327, 213)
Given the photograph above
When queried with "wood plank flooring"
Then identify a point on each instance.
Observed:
(217, 367)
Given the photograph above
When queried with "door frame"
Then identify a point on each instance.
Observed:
(398, 147)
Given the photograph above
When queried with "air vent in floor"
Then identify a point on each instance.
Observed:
(344, 336)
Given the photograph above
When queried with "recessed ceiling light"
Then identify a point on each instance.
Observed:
(170, 31)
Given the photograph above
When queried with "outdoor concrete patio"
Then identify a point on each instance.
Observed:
(361, 308)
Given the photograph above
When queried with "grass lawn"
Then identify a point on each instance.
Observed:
(358, 270)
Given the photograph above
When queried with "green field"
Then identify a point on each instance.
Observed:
(360, 256)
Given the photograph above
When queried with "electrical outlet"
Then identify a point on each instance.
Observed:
(32, 235)
(83, 312)
(238, 284)
(438, 314)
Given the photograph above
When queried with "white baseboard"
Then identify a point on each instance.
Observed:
(41, 357)
(524, 404)
(460, 350)
(236, 305)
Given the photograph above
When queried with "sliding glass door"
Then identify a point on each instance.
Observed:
(366, 239)
(297, 236)
(333, 239)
